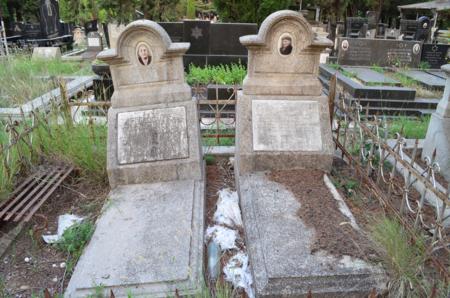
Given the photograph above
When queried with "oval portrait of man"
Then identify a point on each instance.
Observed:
(143, 53)
(285, 44)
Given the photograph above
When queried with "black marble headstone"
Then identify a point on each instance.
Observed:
(174, 29)
(436, 55)
(224, 38)
(49, 18)
(382, 52)
(197, 33)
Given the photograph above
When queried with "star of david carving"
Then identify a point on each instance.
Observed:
(196, 32)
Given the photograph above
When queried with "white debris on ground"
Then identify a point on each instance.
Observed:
(225, 233)
(65, 221)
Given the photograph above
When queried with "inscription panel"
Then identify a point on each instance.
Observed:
(152, 135)
(286, 125)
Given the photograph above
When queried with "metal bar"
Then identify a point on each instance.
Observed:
(25, 191)
(218, 101)
(23, 201)
(17, 189)
(38, 205)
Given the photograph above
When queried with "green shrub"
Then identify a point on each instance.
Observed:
(221, 74)
(74, 240)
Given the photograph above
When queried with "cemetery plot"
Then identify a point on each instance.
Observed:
(426, 79)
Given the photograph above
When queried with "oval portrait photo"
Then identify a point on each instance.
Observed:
(143, 54)
(285, 44)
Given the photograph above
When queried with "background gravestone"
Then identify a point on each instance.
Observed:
(46, 53)
(282, 117)
(49, 11)
(438, 133)
(149, 240)
(94, 45)
(382, 52)
(436, 55)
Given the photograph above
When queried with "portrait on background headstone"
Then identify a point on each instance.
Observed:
(143, 54)
(285, 44)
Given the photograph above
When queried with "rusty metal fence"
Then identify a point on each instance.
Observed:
(405, 187)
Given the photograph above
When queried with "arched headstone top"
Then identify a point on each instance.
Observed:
(284, 56)
(284, 20)
(146, 66)
(143, 32)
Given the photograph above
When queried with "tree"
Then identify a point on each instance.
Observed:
(250, 11)
(81, 11)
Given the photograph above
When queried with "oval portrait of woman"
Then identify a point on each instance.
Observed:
(285, 44)
(143, 53)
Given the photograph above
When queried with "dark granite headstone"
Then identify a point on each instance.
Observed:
(436, 55)
(197, 33)
(382, 52)
(408, 28)
(49, 18)
(355, 27)
(224, 38)
(174, 29)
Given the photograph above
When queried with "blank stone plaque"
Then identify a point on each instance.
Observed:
(285, 125)
(152, 135)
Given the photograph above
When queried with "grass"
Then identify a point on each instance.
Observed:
(404, 259)
(74, 240)
(20, 77)
(408, 127)
(82, 145)
(223, 74)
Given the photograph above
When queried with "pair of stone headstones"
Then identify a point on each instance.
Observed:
(149, 240)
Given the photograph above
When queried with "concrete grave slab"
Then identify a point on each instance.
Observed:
(437, 73)
(279, 242)
(427, 80)
(371, 77)
(46, 53)
(147, 242)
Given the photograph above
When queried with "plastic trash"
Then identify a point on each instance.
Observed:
(224, 237)
(237, 272)
(228, 212)
(64, 222)
(213, 260)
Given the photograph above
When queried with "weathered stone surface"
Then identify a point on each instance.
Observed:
(153, 127)
(278, 244)
(148, 242)
(298, 128)
(426, 79)
(383, 52)
(165, 131)
(46, 53)
(438, 133)
(282, 121)
(371, 77)
(179, 168)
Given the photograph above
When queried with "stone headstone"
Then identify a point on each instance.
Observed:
(283, 123)
(49, 18)
(78, 36)
(150, 244)
(94, 45)
(436, 55)
(46, 53)
(197, 34)
(224, 38)
(382, 52)
(282, 84)
(438, 133)
(356, 27)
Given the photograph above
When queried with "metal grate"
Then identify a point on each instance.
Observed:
(29, 196)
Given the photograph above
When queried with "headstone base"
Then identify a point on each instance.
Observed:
(148, 242)
(438, 137)
(279, 242)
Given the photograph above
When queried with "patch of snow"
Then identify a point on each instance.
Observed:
(237, 272)
(228, 212)
(224, 237)
(65, 221)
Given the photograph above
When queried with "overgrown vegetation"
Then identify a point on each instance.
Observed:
(21, 80)
(74, 240)
(409, 128)
(56, 138)
(223, 74)
(404, 258)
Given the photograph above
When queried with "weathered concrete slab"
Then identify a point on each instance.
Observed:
(148, 242)
(430, 81)
(298, 129)
(438, 73)
(278, 245)
(165, 131)
(46, 53)
(371, 77)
